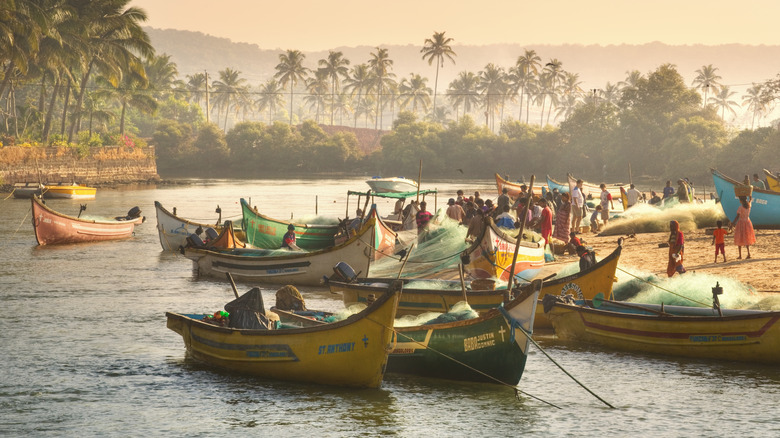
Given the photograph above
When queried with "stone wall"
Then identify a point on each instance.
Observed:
(101, 166)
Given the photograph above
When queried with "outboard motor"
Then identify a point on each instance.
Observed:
(343, 272)
(134, 213)
(193, 240)
(211, 234)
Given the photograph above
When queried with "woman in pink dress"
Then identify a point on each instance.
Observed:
(743, 230)
(562, 219)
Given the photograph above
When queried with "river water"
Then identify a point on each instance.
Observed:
(86, 351)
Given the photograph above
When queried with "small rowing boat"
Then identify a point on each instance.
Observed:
(52, 227)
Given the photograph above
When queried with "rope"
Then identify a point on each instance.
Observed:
(10, 194)
(515, 388)
(663, 289)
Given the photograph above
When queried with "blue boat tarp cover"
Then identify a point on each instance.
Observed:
(388, 194)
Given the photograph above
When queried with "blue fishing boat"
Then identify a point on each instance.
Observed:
(553, 184)
(765, 211)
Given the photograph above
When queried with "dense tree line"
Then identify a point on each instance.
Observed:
(82, 72)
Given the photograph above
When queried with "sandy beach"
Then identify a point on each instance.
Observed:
(642, 252)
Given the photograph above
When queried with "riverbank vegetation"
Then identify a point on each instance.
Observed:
(83, 74)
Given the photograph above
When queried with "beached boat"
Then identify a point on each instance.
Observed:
(701, 333)
(352, 352)
(765, 211)
(772, 180)
(27, 190)
(282, 266)
(489, 348)
(514, 190)
(553, 184)
(265, 232)
(174, 230)
(491, 255)
(52, 227)
(396, 184)
(593, 191)
(422, 296)
(68, 191)
(384, 238)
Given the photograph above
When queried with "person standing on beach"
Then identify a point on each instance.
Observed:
(577, 205)
(719, 240)
(633, 196)
(668, 191)
(562, 219)
(676, 249)
(606, 203)
(744, 235)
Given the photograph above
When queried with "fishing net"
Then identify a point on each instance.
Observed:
(460, 311)
(644, 218)
(690, 289)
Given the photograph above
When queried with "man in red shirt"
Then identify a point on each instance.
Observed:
(423, 216)
(546, 222)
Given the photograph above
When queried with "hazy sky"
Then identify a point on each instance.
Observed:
(319, 24)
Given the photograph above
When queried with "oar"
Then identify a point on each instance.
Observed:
(232, 283)
(462, 282)
(598, 300)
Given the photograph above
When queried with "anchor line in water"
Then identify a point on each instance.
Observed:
(663, 288)
(515, 388)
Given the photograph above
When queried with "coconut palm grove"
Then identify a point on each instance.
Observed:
(83, 74)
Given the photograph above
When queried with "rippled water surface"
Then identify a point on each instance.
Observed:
(86, 351)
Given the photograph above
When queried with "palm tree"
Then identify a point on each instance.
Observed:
(270, 97)
(358, 82)
(463, 92)
(196, 87)
(380, 64)
(342, 105)
(437, 48)
(335, 67)
(96, 111)
(132, 91)
(162, 74)
(525, 70)
(631, 81)
(414, 91)
(723, 101)
(230, 84)
(290, 71)
(492, 87)
(556, 74)
(706, 78)
(610, 94)
(754, 101)
(317, 88)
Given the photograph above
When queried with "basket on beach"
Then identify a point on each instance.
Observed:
(743, 190)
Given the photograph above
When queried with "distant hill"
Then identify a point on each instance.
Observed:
(738, 65)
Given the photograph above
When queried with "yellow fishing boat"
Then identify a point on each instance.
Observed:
(772, 180)
(491, 255)
(422, 295)
(68, 191)
(352, 352)
(696, 332)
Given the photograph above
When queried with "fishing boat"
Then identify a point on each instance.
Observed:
(553, 184)
(489, 348)
(593, 191)
(27, 190)
(422, 295)
(514, 190)
(53, 228)
(696, 332)
(765, 210)
(491, 255)
(174, 230)
(265, 232)
(68, 191)
(397, 222)
(396, 184)
(283, 266)
(772, 180)
(352, 352)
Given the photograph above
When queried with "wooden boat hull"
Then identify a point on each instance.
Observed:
(73, 191)
(351, 353)
(297, 268)
(492, 254)
(752, 336)
(173, 230)
(599, 278)
(553, 184)
(392, 185)
(491, 348)
(384, 238)
(53, 228)
(265, 232)
(513, 189)
(27, 190)
(765, 211)
(772, 181)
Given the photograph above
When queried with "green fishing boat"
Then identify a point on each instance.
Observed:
(265, 232)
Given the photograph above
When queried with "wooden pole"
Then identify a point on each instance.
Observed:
(207, 96)
(630, 177)
(462, 282)
(419, 181)
(529, 199)
(316, 205)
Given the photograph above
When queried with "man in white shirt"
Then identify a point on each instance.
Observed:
(633, 196)
(577, 203)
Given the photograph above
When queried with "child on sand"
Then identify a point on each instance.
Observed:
(719, 240)
(595, 225)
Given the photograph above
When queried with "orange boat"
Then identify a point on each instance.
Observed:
(52, 227)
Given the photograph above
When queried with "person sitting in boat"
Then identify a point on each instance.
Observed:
(354, 226)
(587, 258)
(288, 241)
(654, 199)
(503, 199)
(399, 207)
(475, 225)
(455, 211)
(423, 216)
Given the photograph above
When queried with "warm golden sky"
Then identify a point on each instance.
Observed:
(321, 24)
